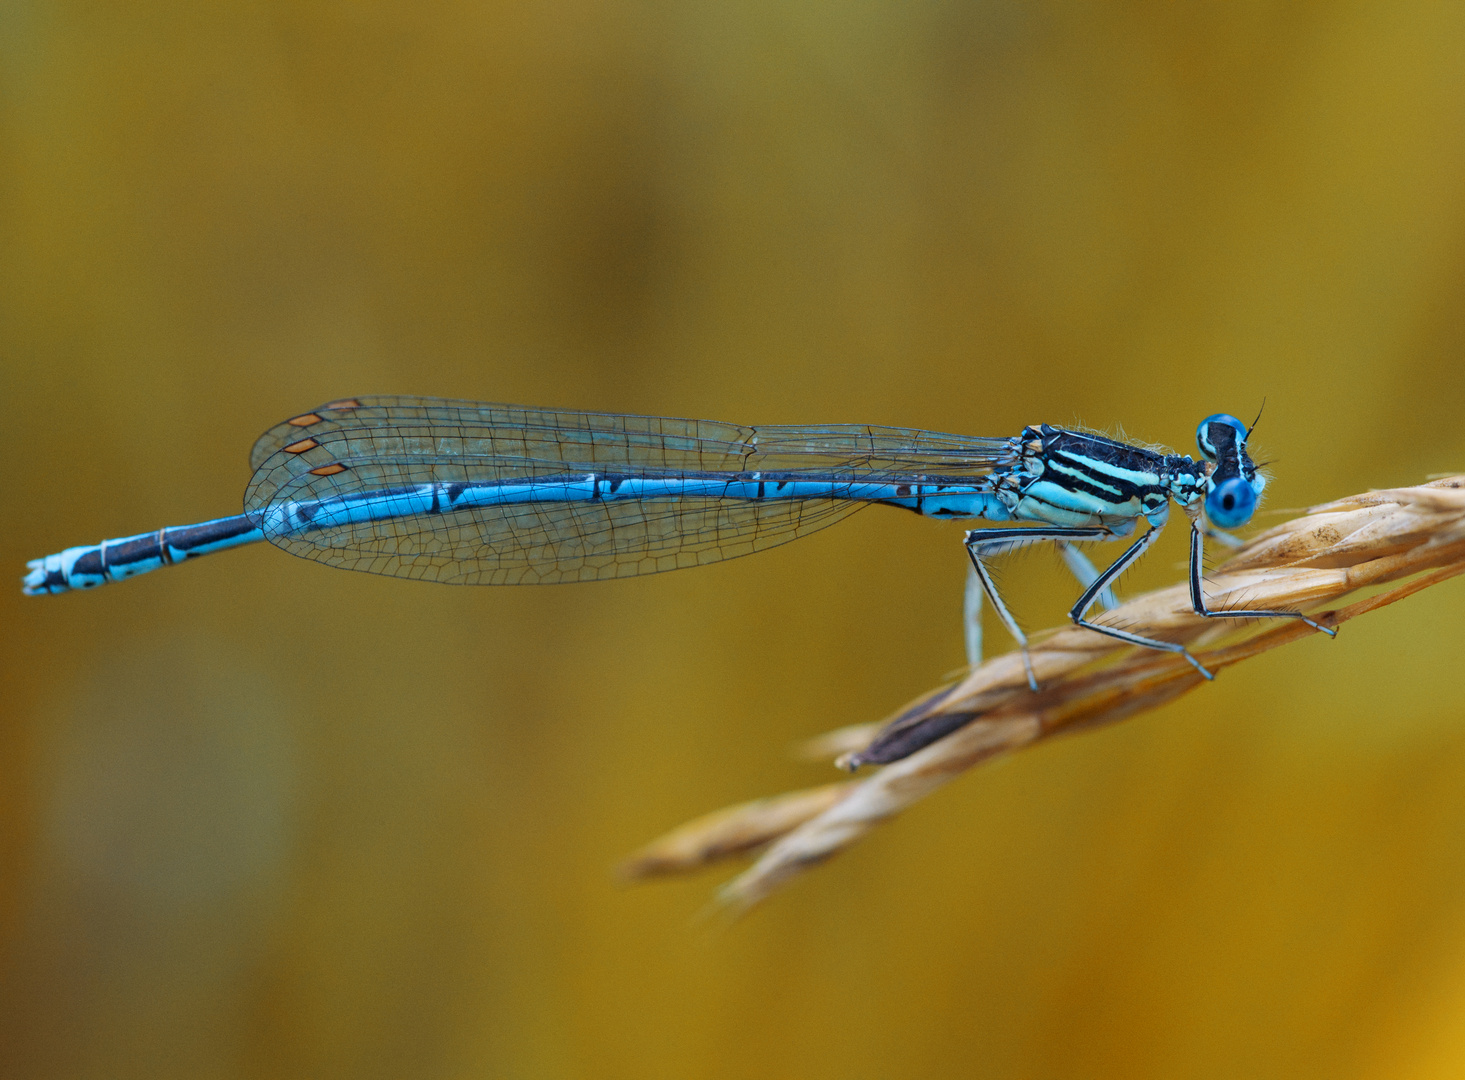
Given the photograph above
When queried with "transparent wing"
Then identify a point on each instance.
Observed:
(395, 442)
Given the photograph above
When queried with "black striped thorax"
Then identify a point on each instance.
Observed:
(1105, 477)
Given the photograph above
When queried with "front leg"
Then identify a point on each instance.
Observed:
(1198, 600)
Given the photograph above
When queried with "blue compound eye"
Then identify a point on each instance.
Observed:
(1207, 444)
(1231, 503)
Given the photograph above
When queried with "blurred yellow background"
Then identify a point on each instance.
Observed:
(260, 818)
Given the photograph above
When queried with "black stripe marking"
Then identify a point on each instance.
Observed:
(1104, 484)
(1099, 470)
(185, 538)
(90, 565)
(143, 549)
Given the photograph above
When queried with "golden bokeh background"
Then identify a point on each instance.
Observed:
(260, 818)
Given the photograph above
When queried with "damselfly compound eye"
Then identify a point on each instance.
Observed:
(1231, 503)
(1212, 445)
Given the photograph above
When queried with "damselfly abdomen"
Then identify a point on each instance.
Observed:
(477, 494)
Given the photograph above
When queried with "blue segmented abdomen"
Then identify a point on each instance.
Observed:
(298, 518)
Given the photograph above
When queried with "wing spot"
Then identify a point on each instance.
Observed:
(304, 421)
(329, 470)
(301, 446)
(342, 405)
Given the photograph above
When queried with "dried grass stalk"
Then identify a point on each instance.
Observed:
(1088, 679)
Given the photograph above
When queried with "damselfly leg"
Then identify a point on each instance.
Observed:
(1078, 564)
(980, 542)
(971, 617)
(1198, 600)
(1091, 594)
(1223, 537)
(1082, 568)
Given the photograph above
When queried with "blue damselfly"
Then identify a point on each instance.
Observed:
(468, 493)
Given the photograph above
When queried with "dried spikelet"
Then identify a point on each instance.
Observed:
(1087, 679)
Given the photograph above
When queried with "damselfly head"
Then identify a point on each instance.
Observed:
(1234, 485)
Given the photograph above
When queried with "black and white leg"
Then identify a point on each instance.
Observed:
(972, 602)
(1103, 581)
(1198, 600)
(980, 542)
(1078, 563)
